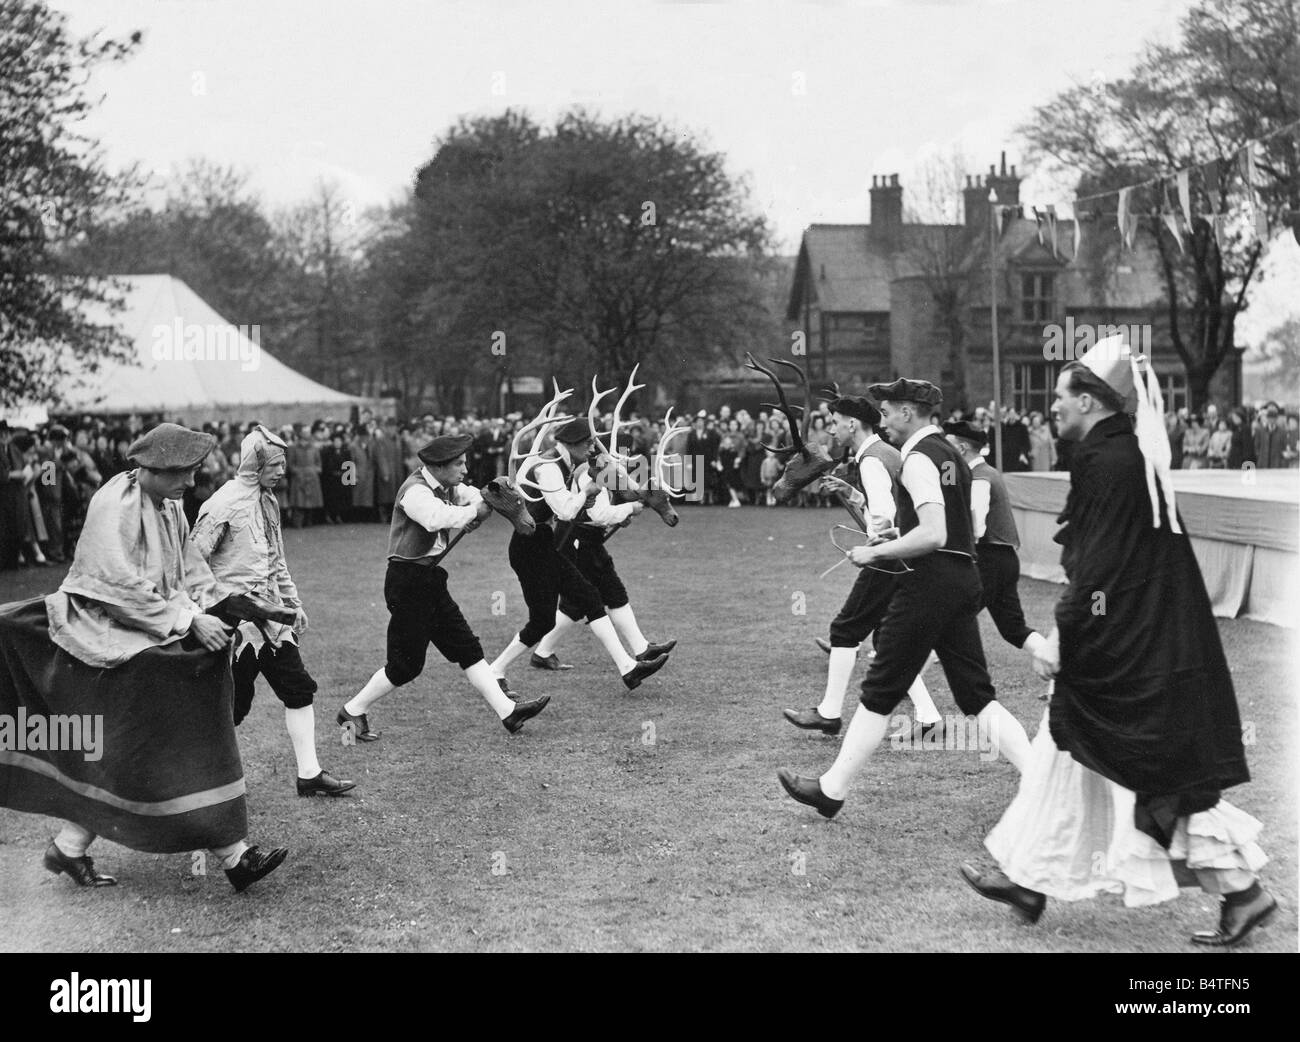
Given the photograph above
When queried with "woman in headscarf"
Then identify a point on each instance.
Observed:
(238, 534)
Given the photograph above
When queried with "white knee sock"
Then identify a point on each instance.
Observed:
(926, 711)
(301, 725)
(546, 646)
(376, 688)
(606, 634)
(624, 620)
(73, 840)
(513, 650)
(1005, 733)
(229, 856)
(865, 732)
(838, 673)
(485, 683)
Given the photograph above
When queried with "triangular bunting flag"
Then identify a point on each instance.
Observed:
(1050, 212)
(1038, 220)
(1185, 195)
(1171, 222)
(1122, 216)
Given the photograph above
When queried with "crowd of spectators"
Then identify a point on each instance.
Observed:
(350, 472)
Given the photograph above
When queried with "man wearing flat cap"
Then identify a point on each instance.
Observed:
(432, 505)
(1123, 790)
(854, 422)
(545, 574)
(137, 649)
(934, 607)
(996, 538)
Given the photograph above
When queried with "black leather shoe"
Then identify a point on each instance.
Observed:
(324, 783)
(525, 711)
(655, 650)
(1027, 904)
(1237, 919)
(812, 720)
(80, 869)
(809, 791)
(253, 865)
(507, 690)
(360, 726)
(823, 643)
(642, 670)
(550, 662)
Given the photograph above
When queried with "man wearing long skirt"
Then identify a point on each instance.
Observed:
(1122, 792)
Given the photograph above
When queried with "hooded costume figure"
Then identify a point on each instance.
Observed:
(1122, 793)
(238, 534)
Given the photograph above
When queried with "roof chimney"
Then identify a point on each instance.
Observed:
(887, 212)
(1006, 185)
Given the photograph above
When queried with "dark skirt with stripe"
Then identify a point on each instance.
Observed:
(146, 753)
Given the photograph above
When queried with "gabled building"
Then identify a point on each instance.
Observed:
(894, 298)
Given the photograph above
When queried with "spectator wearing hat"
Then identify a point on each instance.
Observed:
(389, 467)
(137, 583)
(933, 609)
(545, 574)
(854, 421)
(52, 484)
(996, 539)
(362, 448)
(432, 504)
(303, 473)
(1270, 439)
(1042, 443)
(337, 476)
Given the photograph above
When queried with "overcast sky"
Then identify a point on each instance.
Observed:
(808, 100)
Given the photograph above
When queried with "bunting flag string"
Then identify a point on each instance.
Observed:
(1172, 200)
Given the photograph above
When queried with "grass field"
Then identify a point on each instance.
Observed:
(647, 820)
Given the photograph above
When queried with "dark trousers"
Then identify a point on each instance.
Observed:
(934, 608)
(597, 567)
(283, 669)
(421, 612)
(546, 575)
(999, 569)
(863, 609)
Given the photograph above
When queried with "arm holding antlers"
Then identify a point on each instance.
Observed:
(566, 503)
(921, 479)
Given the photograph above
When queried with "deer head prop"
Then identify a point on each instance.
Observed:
(804, 463)
(614, 476)
(545, 420)
(507, 501)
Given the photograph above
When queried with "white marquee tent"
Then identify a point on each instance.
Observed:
(192, 365)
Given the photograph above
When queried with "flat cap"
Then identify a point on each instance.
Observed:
(920, 391)
(966, 432)
(446, 448)
(858, 407)
(57, 432)
(574, 431)
(170, 446)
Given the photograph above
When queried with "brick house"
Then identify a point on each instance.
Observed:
(880, 300)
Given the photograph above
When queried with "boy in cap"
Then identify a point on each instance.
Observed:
(545, 574)
(933, 608)
(996, 539)
(165, 784)
(431, 504)
(1123, 789)
(854, 422)
(238, 533)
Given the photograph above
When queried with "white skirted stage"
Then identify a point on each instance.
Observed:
(1245, 529)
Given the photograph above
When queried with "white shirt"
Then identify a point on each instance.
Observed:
(878, 484)
(435, 515)
(981, 492)
(568, 502)
(920, 476)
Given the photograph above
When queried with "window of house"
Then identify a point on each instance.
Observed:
(1033, 386)
(1173, 385)
(1038, 297)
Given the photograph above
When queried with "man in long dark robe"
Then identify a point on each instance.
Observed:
(1122, 793)
(127, 648)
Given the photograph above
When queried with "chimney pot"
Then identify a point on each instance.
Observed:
(873, 181)
(1004, 164)
(993, 170)
(1013, 169)
(893, 179)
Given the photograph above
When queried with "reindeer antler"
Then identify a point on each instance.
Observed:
(671, 431)
(544, 421)
(830, 392)
(807, 400)
(795, 434)
(631, 388)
